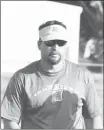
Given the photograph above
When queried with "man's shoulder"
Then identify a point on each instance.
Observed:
(81, 72)
(78, 70)
(75, 67)
(27, 70)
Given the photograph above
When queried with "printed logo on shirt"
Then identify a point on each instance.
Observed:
(57, 96)
(57, 91)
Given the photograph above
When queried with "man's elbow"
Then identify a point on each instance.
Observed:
(2, 124)
(8, 124)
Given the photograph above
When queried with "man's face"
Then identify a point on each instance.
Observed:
(52, 51)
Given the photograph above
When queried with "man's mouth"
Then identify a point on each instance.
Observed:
(54, 53)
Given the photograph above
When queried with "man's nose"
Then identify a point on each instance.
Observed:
(55, 46)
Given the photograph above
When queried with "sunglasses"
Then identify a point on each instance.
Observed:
(54, 42)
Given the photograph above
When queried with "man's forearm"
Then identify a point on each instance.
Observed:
(97, 123)
(10, 124)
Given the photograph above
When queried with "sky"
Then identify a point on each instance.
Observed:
(19, 30)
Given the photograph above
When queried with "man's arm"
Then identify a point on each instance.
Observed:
(97, 123)
(11, 106)
(94, 123)
(93, 104)
(7, 124)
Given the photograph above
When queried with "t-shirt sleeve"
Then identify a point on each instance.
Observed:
(12, 104)
(92, 100)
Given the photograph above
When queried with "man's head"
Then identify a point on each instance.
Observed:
(52, 41)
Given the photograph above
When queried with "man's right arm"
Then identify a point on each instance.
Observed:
(12, 104)
(8, 124)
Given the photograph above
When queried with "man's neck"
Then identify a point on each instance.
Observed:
(47, 67)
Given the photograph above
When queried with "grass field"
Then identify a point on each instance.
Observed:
(98, 84)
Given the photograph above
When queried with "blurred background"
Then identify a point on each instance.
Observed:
(90, 44)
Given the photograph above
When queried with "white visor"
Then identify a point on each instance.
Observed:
(53, 32)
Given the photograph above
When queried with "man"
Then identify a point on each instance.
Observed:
(52, 92)
(93, 50)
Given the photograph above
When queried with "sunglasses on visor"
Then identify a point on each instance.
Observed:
(54, 42)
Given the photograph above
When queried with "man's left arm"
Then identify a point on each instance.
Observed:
(97, 123)
(93, 102)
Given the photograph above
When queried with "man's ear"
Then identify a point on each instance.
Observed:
(39, 44)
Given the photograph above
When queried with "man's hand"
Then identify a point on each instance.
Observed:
(97, 123)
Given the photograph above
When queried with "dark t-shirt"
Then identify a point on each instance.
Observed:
(39, 100)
